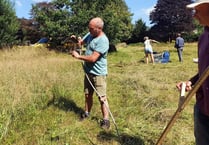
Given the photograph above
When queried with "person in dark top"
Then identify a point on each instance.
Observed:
(179, 45)
(201, 108)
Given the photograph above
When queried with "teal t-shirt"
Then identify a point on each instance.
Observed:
(101, 45)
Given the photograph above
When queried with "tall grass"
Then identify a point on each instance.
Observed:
(42, 96)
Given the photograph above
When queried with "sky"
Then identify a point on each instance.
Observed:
(139, 8)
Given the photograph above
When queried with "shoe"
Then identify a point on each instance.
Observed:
(105, 124)
(84, 116)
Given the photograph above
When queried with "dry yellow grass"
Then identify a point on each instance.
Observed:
(42, 94)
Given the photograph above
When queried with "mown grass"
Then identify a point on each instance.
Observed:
(42, 97)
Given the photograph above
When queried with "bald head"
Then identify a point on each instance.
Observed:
(97, 22)
(95, 26)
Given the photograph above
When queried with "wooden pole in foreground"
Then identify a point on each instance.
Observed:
(197, 85)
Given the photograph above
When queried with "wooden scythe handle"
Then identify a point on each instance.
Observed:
(197, 85)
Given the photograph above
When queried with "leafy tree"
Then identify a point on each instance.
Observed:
(114, 13)
(193, 36)
(170, 17)
(61, 18)
(8, 23)
(139, 31)
(29, 30)
(198, 29)
(52, 19)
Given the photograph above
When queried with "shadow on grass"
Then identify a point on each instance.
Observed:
(65, 105)
(123, 139)
(141, 61)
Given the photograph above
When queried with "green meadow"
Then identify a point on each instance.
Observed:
(42, 96)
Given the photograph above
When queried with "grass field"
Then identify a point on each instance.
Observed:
(42, 97)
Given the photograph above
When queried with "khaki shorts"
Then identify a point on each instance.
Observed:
(99, 83)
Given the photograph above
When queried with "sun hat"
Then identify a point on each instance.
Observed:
(198, 2)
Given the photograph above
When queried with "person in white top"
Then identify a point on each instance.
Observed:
(148, 49)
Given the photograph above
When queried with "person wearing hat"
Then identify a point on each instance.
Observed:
(201, 108)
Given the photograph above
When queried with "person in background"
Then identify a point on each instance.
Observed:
(95, 67)
(179, 45)
(201, 107)
(148, 49)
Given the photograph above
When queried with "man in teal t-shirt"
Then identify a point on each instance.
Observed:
(95, 67)
(100, 45)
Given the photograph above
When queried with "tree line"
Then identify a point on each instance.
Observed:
(59, 19)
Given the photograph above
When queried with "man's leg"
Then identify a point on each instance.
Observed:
(105, 123)
(104, 107)
(181, 54)
(88, 97)
(101, 90)
(88, 102)
(179, 50)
